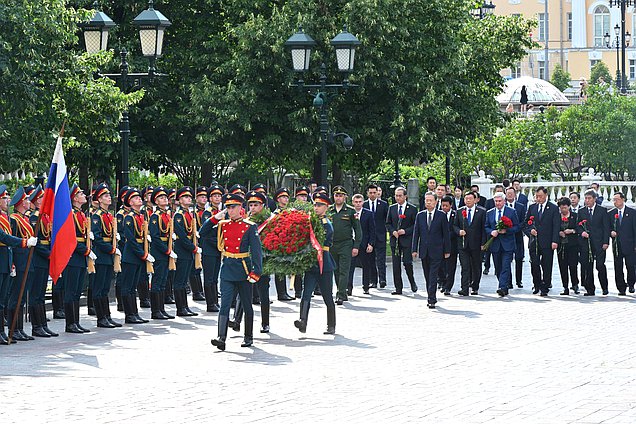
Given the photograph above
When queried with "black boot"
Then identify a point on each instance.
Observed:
(76, 308)
(281, 290)
(58, 304)
(4, 339)
(219, 342)
(331, 320)
(102, 320)
(17, 335)
(181, 299)
(129, 310)
(210, 299)
(106, 305)
(120, 302)
(265, 315)
(134, 304)
(71, 326)
(301, 324)
(169, 299)
(90, 302)
(37, 328)
(45, 326)
(162, 306)
(155, 306)
(411, 277)
(248, 338)
(196, 285)
(143, 292)
(235, 324)
(20, 326)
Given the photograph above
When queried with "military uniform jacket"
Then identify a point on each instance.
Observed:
(134, 233)
(121, 214)
(43, 233)
(21, 227)
(7, 241)
(159, 228)
(346, 226)
(78, 258)
(208, 233)
(102, 228)
(241, 250)
(184, 229)
(328, 263)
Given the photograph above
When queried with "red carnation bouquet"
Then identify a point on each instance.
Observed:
(503, 224)
(292, 242)
(533, 239)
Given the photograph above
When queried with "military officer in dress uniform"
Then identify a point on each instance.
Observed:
(347, 235)
(301, 196)
(169, 293)
(121, 214)
(40, 261)
(160, 233)
(242, 256)
(201, 214)
(94, 206)
(105, 247)
(183, 224)
(7, 241)
(134, 258)
(282, 198)
(315, 276)
(271, 203)
(211, 257)
(144, 280)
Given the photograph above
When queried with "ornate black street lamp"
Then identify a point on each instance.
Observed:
(617, 43)
(623, 4)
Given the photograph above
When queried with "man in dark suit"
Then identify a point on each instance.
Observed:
(431, 185)
(469, 227)
(365, 258)
(431, 241)
(503, 245)
(449, 265)
(520, 208)
(458, 197)
(380, 209)
(544, 239)
(489, 204)
(599, 198)
(594, 232)
(481, 200)
(623, 232)
(400, 221)
(521, 198)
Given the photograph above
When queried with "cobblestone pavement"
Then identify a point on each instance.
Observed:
(478, 359)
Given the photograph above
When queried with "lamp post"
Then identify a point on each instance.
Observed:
(616, 43)
(623, 4)
(151, 25)
(300, 46)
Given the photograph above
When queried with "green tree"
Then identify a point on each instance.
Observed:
(560, 78)
(600, 70)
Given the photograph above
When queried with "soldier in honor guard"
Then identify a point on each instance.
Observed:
(169, 293)
(119, 216)
(160, 234)
(75, 271)
(315, 276)
(94, 206)
(347, 235)
(134, 258)
(211, 257)
(241, 265)
(40, 271)
(104, 245)
(8, 240)
(144, 279)
(271, 203)
(201, 214)
(301, 196)
(183, 224)
(282, 199)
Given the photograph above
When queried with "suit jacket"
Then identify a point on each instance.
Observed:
(503, 242)
(490, 203)
(367, 223)
(452, 234)
(521, 210)
(426, 240)
(394, 223)
(597, 226)
(625, 230)
(381, 211)
(458, 203)
(482, 201)
(548, 227)
(475, 233)
(522, 198)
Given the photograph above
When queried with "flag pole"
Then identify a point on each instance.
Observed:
(28, 265)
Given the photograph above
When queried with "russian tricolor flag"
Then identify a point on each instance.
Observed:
(57, 204)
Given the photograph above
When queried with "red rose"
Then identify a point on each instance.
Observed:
(616, 216)
(465, 214)
(565, 219)
(402, 216)
(507, 222)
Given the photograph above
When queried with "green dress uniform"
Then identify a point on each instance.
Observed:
(347, 235)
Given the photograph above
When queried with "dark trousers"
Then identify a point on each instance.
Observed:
(341, 253)
(182, 276)
(487, 259)
(619, 260)
(314, 278)
(229, 289)
(378, 256)
(431, 271)
(5, 282)
(14, 289)
(38, 285)
(541, 260)
(160, 277)
(502, 261)
(587, 269)
(130, 277)
(399, 256)
(447, 272)
(73, 283)
(568, 257)
(298, 285)
(470, 261)
(262, 288)
(103, 277)
(366, 261)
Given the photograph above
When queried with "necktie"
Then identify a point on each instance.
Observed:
(620, 217)
(430, 218)
(400, 210)
(590, 210)
(469, 217)
(373, 206)
(540, 212)
(499, 216)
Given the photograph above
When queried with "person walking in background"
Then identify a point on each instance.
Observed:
(524, 99)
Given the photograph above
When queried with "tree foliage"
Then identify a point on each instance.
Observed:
(560, 78)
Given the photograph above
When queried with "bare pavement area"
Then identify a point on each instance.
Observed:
(522, 359)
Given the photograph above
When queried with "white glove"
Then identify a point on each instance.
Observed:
(13, 274)
(199, 250)
(174, 236)
(173, 255)
(148, 238)
(32, 241)
(92, 255)
(150, 258)
(91, 236)
(220, 215)
(117, 251)
(196, 233)
(117, 237)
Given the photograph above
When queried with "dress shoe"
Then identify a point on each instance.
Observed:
(298, 295)
(265, 329)
(501, 293)
(544, 294)
(198, 296)
(349, 292)
(256, 301)
(247, 341)
(396, 292)
(219, 343)
(339, 301)
(414, 288)
(430, 305)
(236, 326)
(588, 294)
(374, 285)
(520, 285)
(575, 289)
(462, 293)
(300, 325)
(330, 330)
(365, 291)
(447, 293)
(486, 271)
(565, 293)
(622, 293)
(382, 284)
(535, 290)
(631, 289)
(213, 308)
(510, 286)
(285, 298)
(474, 292)
(605, 292)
